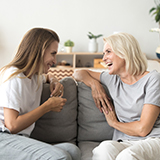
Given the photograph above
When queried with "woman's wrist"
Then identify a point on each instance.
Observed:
(45, 106)
(93, 83)
(51, 78)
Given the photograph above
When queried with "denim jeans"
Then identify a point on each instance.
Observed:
(18, 147)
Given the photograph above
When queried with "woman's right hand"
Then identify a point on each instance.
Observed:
(56, 104)
(92, 79)
(100, 97)
(16, 123)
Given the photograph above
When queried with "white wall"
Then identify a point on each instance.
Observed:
(72, 19)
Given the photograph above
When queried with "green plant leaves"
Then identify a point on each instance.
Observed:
(156, 11)
(152, 9)
(91, 35)
(69, 43)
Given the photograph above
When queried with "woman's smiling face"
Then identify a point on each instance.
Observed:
(116, 65)
(50, 56)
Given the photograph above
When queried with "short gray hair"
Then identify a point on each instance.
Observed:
(127, 47)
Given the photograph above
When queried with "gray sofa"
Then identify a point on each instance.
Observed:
(79, 122)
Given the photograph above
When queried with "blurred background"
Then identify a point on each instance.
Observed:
(73, 19)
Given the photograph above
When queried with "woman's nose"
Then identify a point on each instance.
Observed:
(104, 57)
(54, 60)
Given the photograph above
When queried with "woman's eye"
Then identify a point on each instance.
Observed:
(53, 53)
(107, 52)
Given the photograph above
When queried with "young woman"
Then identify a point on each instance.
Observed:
(136, 98)
(20, 92)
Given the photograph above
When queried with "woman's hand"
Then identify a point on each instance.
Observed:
(100, 97)
(139, 128)
(110, 117)
(92, 79)
(56, 103)
(16, 123)
(56, 87)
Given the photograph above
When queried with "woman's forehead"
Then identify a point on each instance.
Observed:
(106, 46)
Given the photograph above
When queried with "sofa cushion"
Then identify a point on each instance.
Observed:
(92, 123)
(56, 127)
(86, 148)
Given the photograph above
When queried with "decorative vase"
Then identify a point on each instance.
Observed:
(68, 49)
(158, 52)
(93, 45)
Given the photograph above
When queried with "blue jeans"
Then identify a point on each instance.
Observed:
(16, 147)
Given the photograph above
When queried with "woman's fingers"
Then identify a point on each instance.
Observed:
(58, 90)
(57, 103)
(98, 104)
(108, 104)
(105, 103)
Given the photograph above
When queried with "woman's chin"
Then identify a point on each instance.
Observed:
(45, 71)
(111, 72)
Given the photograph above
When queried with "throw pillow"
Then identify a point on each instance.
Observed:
(92, 125)
(57, 127)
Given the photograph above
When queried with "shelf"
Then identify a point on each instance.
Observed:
(73, 58)
(79, 53)
(71, 68)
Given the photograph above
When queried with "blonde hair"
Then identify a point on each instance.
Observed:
(31, 50)
(127, 47)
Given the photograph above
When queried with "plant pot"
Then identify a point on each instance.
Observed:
(68, 49)
(93, 45)
(158, 52)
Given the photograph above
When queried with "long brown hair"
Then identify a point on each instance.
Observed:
(31, 50)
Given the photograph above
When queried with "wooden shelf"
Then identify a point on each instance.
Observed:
(67, 71)
(79, 53)
(75, 55)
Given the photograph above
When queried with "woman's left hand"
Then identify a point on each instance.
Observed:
(56, 87)
(110, 117)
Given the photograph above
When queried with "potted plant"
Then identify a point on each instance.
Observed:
(156, 12)
(68, 45)
(93, 45)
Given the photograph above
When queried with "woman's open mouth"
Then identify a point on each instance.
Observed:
(109, 64)
(106, 65)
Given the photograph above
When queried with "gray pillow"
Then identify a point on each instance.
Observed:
(92, 125)
(59, 127)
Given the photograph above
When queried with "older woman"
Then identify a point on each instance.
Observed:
(135, 116)
(20, 92)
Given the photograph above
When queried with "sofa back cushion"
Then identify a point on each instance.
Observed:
(56, 127)
(92, 125)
